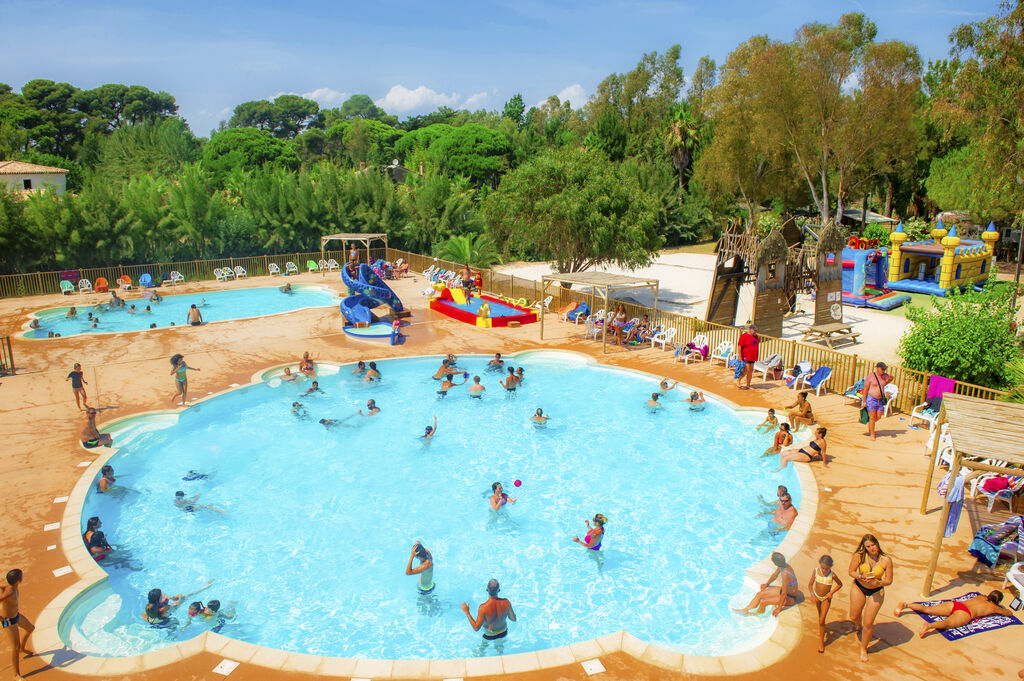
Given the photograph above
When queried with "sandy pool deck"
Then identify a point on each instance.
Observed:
(870, 487)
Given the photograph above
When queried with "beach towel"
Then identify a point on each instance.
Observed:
(939, 385)
(955, 497)
(989, 623)
(989, 540)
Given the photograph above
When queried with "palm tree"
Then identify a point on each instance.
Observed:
(1016, 390)
(476, 250)
(681, 139)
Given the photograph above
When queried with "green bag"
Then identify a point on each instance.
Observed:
(864, 418)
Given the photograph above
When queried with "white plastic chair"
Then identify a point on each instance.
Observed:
(84, 286)
(542, 305)
(273, 269)
(240, 272)
(1015, 575)
(219, 275)
(176, 277)
(804, 367)
(921, 412)
(815, 381)
(663, 337)
(723, 352)
(593, 327)
(891, 391)
(769, 363)
(429, 271)
(290, 268)
(322, 264)
(686, 353)
(332, 264)
(1016, 487)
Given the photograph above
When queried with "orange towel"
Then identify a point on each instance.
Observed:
(568, 308)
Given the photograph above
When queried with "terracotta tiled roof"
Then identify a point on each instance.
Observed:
(22, 168)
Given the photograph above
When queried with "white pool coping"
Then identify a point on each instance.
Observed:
(783, 640)
(335, 295)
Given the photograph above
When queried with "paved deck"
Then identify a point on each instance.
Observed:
(871, 487)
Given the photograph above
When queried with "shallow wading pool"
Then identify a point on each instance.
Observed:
(311, 551)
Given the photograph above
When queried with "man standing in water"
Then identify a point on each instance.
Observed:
(11, 620)
(195, 317)
(493, 614)
(425, 569)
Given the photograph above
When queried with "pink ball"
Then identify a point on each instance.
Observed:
(518, 483)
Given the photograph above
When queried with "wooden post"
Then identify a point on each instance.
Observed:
(542, 291)
(931, 459)
(604, 327)
(954, 472)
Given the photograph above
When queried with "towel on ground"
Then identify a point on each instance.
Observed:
(987, 623)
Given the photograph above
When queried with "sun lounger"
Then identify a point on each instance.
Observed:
(240, 272)
(815, 381)
(791, 379)
(854, 392)
(1014, 486)
(311, 266)
(543, 305)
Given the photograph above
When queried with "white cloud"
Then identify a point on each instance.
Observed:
(400, 98)
(575, 94)
(326, 97)
(474, 102)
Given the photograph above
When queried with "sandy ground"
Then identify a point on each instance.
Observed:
(872, 487)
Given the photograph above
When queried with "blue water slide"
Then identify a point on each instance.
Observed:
(356, 309)
(369, 285)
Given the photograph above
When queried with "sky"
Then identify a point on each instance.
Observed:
(409, 56)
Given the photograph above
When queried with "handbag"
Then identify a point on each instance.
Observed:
(864, 417)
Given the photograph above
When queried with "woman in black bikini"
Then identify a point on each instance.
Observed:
(817, 447)
(871, 571)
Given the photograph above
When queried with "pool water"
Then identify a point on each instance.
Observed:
(214, 306)
(497, 309)
(319, 523)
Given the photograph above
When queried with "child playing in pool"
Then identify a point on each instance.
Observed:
(315, 388)
(372, 374)
(288, 375)
(189, 505)
(697, 401)
(538, 417)
(664, 387)
(770, 422)
(430, 431)
(653, 403)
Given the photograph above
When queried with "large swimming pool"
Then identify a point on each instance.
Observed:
(173, 309)
(319, 523)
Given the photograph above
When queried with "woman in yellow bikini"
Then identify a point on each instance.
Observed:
(823, 586)
(871, 571)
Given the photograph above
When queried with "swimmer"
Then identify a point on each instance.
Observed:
(371, 408)
(782, 491)
(696, 400)
(360, 368)
(783, 438)
(425, 569)
(189, 505)
(106, 480)
(519, 376)
(306, 367)
(653, 403)
(92, 525)
(148, 309)
(770, 422)
(72, 312)
(447, 384)
(784, 515)
(447, 366)
(371, 373)
(89, 317)
(193, 475)
(131, 308)
(499, 498)
(34, 324)
(288, 375)
(208, 611)
(497, 363)
(287, 288)
(510, 383)
(98, 546)
(158, 606)
(476, 390)
(594, 535)
(50, 335)
(664, 387)
(194, 316)
(538, 417)
(153, 325)
(156, 297)
(493, 614)
(315, 388)
(299, 411)
(94, 324)
(429, 433)
(115, 301)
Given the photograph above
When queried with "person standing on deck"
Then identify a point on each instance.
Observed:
(874, 395)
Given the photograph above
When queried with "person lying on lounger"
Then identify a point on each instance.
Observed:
(957, 613)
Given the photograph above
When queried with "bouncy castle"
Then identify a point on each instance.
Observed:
(937, 265)
(865, 275)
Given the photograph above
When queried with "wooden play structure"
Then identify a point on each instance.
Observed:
(779, 266)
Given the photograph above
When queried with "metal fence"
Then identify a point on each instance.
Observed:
(847, 369)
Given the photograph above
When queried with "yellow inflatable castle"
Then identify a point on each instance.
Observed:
(946, 261)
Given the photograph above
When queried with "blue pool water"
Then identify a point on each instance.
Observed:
(319, 523)
(214, 306)
(497, 309)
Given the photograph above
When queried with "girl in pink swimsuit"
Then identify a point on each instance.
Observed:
(595, 533)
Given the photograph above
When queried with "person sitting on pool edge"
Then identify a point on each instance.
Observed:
(90, 435)
(783, 438)
(476, 390)
(818, 447)
(779, 596)
(194, 317)
(492, 614)
(499, 498)
(425, 569)
(538, 417)
(595, 534)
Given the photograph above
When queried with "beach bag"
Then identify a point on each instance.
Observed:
(864, 416)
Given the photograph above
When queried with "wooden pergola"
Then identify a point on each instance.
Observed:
(364, 239)
(602, 283)
(979, 430)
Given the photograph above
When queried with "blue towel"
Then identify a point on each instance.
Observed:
(987, 623)
(955, 497)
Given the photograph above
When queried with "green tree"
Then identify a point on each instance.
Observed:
(197, 212)
(965, 336)
(358, 107)
(285, 117)
(681, 139)
(246, 149)
(438, 207)
(56, 127)
(514, 110)
(574, 208)
(155, 147)
(476, 250)
(113, 105)
(473, 151)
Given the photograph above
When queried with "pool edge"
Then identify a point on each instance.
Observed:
(782, 641)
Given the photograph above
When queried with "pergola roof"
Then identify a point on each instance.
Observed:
(985, 429)
(344, 236)
(605, 280)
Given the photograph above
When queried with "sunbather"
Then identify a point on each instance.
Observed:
(957, 613)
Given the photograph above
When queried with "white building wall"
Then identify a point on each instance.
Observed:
(38, 180)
